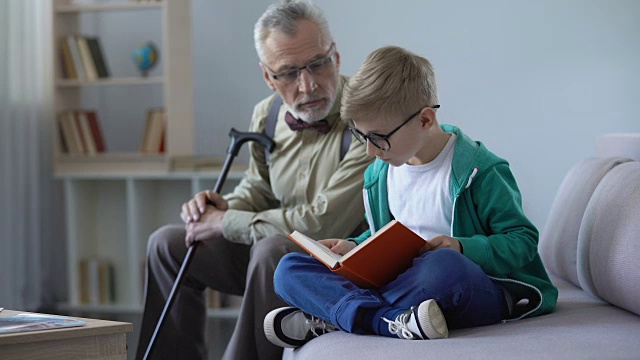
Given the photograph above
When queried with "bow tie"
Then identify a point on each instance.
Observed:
(321, 126)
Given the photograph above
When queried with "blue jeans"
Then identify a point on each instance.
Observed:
(465, 294)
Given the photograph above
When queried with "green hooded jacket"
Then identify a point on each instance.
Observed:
(488, 220)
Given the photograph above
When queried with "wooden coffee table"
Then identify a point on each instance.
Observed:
(99, 339)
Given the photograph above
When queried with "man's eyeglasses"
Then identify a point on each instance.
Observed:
(382, 141)
(315, 67)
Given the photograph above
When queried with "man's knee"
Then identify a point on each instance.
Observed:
(270, 249)
(164, 241)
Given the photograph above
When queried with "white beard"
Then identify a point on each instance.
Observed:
(314, 115)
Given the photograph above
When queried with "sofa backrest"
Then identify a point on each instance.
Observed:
(608, 257)
(559, 239)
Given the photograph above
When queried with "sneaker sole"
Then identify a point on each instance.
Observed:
(270, 333)
(432, 320)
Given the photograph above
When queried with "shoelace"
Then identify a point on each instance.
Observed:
(399, 325)
(319, 324)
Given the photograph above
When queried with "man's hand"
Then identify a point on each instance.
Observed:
(209, 226)
(441, 242)
(194, 208)
(338, 246)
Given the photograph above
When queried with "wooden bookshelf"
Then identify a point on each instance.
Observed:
(173, 78)
(114, 200)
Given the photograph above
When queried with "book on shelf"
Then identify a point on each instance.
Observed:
(32, 322)
(87, 135)
(68, 68)
(72, 44)
(84, 141)
(373, 263)
(96, 281)
(214, 298)
(67, 134)
(83, 58)
(63, 146)
(98, 56)
(73, 135)
(154, 132)
(96, 131)
(80, 133)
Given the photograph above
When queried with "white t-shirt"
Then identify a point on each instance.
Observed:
(419, 195)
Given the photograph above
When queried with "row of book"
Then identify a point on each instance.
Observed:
(80, 133)
(96, 280)
(97, 285)
(83, 58)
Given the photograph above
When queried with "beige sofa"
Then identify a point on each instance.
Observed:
(591, 247)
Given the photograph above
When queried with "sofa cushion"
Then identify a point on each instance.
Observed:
(559, 239)
(582, 327)
(609, 239)
(619, 145)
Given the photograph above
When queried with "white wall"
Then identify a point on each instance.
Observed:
(226, 75)
(536, 81)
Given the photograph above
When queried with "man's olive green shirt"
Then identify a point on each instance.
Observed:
(304, 187)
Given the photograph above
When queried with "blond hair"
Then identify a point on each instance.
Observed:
(391, 82)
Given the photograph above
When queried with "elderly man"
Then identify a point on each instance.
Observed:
(312, 183)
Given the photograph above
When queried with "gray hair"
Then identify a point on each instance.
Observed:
(283, 18)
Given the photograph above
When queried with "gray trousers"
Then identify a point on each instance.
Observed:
(222, 265)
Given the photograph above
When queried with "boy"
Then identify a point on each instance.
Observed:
(480, 257)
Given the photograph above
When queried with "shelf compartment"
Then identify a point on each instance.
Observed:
(96, 224)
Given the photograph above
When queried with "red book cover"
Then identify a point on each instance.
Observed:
(162, 139)
(376, 261)
(96, 132)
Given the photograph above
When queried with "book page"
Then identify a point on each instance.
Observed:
(316, 249)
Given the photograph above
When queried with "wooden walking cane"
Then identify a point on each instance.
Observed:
(237, 140)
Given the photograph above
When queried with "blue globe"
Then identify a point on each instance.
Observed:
(145, 57)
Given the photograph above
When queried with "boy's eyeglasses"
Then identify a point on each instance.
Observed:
(382, 141)
(315, 67)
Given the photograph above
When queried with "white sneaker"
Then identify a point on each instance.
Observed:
(424, 322)
(291, 328)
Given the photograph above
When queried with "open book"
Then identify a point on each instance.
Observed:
(376, 261)
(32, 322)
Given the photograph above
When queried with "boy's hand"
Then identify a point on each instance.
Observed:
(441, 242)
(338, 246)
